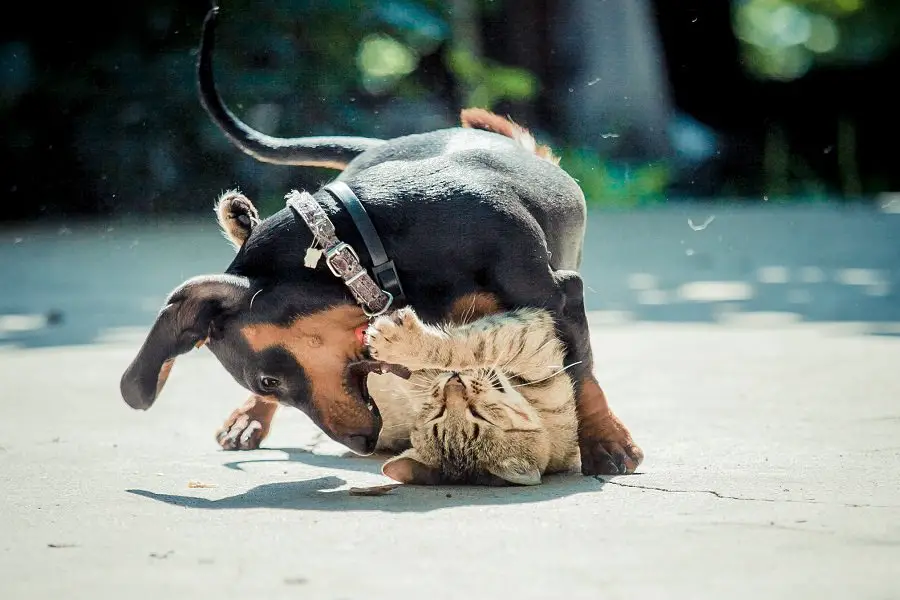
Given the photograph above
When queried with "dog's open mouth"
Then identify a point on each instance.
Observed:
(357, 379)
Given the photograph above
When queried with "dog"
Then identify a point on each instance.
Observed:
(474, 219)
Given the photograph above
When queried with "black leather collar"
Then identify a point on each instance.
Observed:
(382, 267)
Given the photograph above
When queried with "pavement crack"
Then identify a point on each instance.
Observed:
(722, 496)
(712, 492)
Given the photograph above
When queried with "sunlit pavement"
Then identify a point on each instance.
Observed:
(754, 353)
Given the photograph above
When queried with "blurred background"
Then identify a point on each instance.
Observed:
(646, 101)
(741, 269)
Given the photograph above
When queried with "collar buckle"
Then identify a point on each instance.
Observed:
(342, 259)
(337, 266)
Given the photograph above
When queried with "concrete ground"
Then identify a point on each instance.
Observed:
(755, 359)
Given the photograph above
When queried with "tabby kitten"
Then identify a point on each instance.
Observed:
(487, 403)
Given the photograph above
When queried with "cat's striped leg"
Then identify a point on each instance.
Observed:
(521, 341)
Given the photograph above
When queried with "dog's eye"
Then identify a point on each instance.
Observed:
(268, 384)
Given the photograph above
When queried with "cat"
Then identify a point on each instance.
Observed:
(487, 403)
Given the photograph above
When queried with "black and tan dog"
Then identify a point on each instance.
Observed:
(476, 219)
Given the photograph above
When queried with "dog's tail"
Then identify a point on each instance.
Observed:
(478, 118)
(333, 152)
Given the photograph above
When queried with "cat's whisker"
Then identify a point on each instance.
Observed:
(470, 311)
(424, 392)
(551, 376)
(421, 385)
(497, 363)
(421, 388)
(536, 351)
(417, 395)
(545, 368)
(397, 426)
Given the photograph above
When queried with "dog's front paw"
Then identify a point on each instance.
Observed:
(247, 427)
(395, 337)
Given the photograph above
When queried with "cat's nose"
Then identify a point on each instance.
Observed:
(455, 394)
(455, 381)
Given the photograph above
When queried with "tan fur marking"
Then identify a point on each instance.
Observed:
(164, 374)
(473, 306)
(599, 425)
(325, 164)
(478, 118)
(322, 344)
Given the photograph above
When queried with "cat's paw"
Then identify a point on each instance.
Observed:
(395, 337)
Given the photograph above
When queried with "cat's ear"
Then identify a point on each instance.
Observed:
(410, 467)
(518, 470)
(519, 413)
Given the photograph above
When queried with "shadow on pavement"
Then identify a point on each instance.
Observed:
(351, 462)
(322, 494)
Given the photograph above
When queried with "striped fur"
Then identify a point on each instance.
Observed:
(509, 416)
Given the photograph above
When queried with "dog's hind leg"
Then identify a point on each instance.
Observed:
(606, 444)
(247, 426)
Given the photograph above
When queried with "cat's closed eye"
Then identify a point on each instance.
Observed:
(516, 381)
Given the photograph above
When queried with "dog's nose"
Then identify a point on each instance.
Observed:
(361, 444)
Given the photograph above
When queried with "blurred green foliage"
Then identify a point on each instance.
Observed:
(488, 83)
(784, 39)
(120, 111)
(99, 107)
(611, 185)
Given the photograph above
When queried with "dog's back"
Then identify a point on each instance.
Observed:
(478, 118)
(502, 187)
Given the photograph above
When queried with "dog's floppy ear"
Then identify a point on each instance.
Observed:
(182, 324)
(237, 217)
(410, 467)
